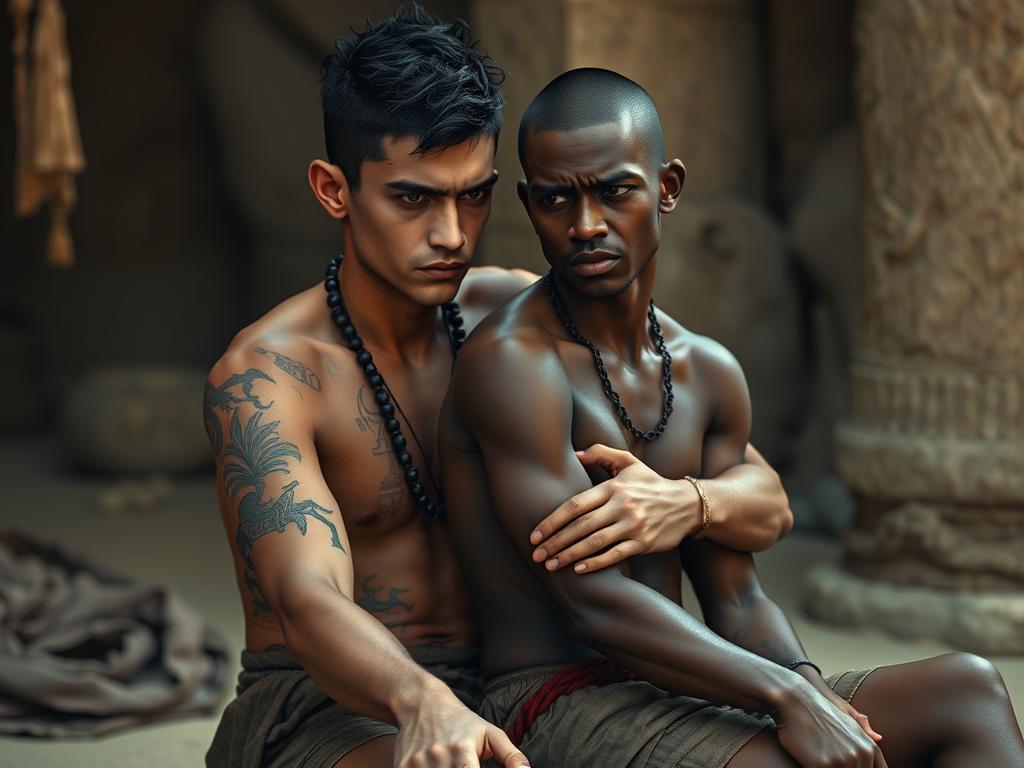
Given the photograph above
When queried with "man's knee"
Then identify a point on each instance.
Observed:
(972, 675)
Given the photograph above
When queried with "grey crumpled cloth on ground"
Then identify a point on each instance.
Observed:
(85, 651)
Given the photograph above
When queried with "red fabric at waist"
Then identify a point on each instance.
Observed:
(599, 671)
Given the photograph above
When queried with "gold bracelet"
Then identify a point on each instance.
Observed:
(705, 504)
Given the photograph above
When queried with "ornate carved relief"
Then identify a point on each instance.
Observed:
(939, 86)
(935, 443)
(939, 545)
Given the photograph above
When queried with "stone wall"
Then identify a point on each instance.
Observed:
(934, 446)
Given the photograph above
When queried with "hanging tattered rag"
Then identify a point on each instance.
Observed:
(49, 148)
(85, 651)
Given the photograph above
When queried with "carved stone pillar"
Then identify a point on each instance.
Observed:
(934, 447)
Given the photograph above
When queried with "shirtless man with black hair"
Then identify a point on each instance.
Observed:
(580, 665)
(360, 636)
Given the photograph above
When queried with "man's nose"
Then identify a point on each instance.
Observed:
(446, 232)
(588, 222)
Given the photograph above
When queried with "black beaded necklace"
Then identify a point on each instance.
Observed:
(659, 345)
(383, 395)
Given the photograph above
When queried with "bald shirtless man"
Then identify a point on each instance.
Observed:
(580, 666)
(322, 415)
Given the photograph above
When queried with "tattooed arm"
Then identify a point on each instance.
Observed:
(289, 538)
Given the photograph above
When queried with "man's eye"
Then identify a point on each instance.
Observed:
(553, 200)
(616, 191)
(476, 195)
(412, 198)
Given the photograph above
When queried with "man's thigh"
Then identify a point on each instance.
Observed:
(379, 753)
(762, 751)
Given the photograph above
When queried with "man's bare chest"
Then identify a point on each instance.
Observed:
(673, 454)
(357, 451)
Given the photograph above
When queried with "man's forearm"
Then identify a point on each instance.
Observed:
(759, 625)
(353, 657)
(663, 644)
(750, 510)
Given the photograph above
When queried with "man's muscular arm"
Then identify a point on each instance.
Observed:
(287, 530)
(513, 398)
(724, 580)
(638, 511)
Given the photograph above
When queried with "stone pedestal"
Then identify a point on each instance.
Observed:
(934, 446)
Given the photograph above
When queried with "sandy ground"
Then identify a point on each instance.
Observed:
(181, 543)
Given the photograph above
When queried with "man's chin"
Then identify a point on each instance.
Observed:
(435, 295)
(597, 288)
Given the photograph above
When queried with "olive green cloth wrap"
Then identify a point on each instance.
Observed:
(629, 724)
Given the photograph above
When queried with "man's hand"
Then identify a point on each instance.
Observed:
(636, 512)
(816, 734)
(437, 731)
(811, 676)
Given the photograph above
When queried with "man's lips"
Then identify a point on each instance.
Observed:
(444, 270)
(592, 257)
(594, 263)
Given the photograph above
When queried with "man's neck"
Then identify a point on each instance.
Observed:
(387, 320)
(618, 323)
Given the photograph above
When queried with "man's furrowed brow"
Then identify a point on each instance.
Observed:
(487, 183)
(543, 190)
(617, 178)
(417, 189)
(403, 185)
(613, 178)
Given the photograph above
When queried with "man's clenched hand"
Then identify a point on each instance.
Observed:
(811, 676)
(818, 734)
(636, 512)
(438, 731)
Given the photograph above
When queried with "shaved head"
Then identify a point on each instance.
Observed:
(581, 98)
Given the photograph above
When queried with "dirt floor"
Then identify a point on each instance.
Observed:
(180, 543)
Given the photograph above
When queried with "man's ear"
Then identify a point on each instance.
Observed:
(673, 174)
(330, 187)
(524, 194)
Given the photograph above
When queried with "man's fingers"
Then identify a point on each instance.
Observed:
(435, 756)
(612, 460)
(613, 556)
(572, 535)
(569, 510)
(866, 725)
(499, 747)
(464, 756)
(596, 540)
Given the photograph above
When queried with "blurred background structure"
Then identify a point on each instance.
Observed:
(852, 228)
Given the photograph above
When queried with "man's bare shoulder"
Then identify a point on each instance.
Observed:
(518, 321)
(289, 339)
(513, 343)
(484, 289)
(708, 358)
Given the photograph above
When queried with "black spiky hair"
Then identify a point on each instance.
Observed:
(408, 75)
